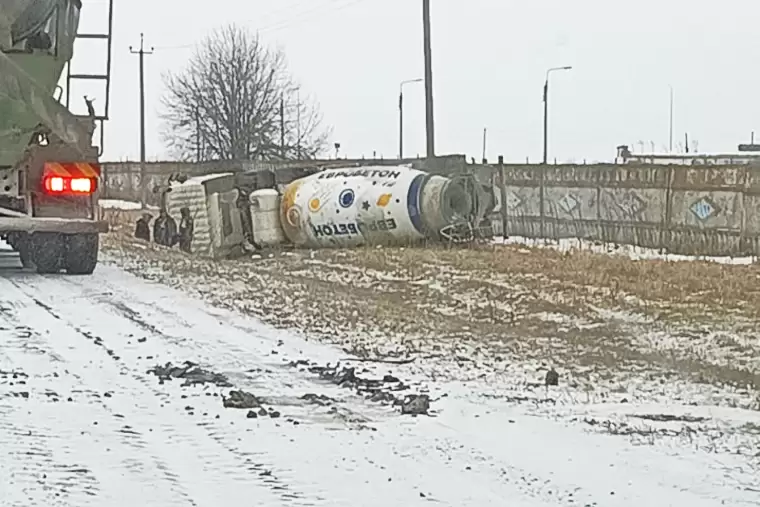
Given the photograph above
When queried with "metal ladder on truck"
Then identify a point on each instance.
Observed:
(105, 77)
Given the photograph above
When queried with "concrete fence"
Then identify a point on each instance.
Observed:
(122, 180)
(709, 211)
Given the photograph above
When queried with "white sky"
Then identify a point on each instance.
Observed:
(490, 58)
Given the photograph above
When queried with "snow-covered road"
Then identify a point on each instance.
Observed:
(83, 423)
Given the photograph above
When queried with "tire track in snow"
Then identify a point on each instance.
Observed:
(178, 451)
(113, 427)
(53, 468)
(53, 464)
(254, 461)
(221, 435)
(240, 467)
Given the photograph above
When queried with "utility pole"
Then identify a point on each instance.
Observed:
(546, 110)
(546, 120)
(197, 134)
(401, 123)
(143, 176)
(485, 139)
(282, 126)
(429, 116)
(298, 124)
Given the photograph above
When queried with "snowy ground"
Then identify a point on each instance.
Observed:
(630, 251)
(121, 205)
(657, 403)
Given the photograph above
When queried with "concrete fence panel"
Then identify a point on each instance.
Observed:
(680, 209)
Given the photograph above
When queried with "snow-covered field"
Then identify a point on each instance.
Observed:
(657, 401)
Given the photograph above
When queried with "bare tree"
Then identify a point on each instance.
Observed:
(236, 100)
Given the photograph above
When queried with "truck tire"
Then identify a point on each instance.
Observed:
(24, 248)
(81, 255)
(45, 249)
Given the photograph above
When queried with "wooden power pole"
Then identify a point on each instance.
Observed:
(429, 116)
(143, 175)
(282, 126)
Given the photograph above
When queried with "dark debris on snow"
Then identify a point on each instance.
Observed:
(191, 373)
(241, 399)
(387, 389)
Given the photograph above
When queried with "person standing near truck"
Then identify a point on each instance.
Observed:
(164, 229)
(186, 229)
(142, 227)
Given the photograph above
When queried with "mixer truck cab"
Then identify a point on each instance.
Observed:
(49, 169)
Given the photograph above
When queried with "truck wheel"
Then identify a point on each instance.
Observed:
(81, 254)
(12, 239)
(23, 246)
(45, 249)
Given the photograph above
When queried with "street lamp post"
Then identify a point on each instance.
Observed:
(546, 110)
(670, 127)
(401, 115)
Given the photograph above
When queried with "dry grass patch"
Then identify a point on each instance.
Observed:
(716, 286)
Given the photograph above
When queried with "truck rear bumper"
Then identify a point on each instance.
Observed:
(60, 225)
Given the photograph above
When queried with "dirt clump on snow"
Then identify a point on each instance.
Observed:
(387, 390)
(240, 399)
(191, 373)
(415, 404)
(246, 401)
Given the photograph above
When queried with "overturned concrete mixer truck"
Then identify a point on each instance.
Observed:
(335, 207)
(371, 205)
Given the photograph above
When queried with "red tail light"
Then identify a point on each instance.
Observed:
(61, 185)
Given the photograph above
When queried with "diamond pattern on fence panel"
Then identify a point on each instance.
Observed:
(569, 203)
(704, 209)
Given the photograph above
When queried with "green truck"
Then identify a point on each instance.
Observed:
(49, 167)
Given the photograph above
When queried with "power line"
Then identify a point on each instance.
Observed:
(288, 9)
(169, 48)
(309, 15)
(306, 15)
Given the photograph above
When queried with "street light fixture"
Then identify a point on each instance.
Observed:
(401, 115)
(546, 110)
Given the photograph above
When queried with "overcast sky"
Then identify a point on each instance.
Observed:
(489, 63)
